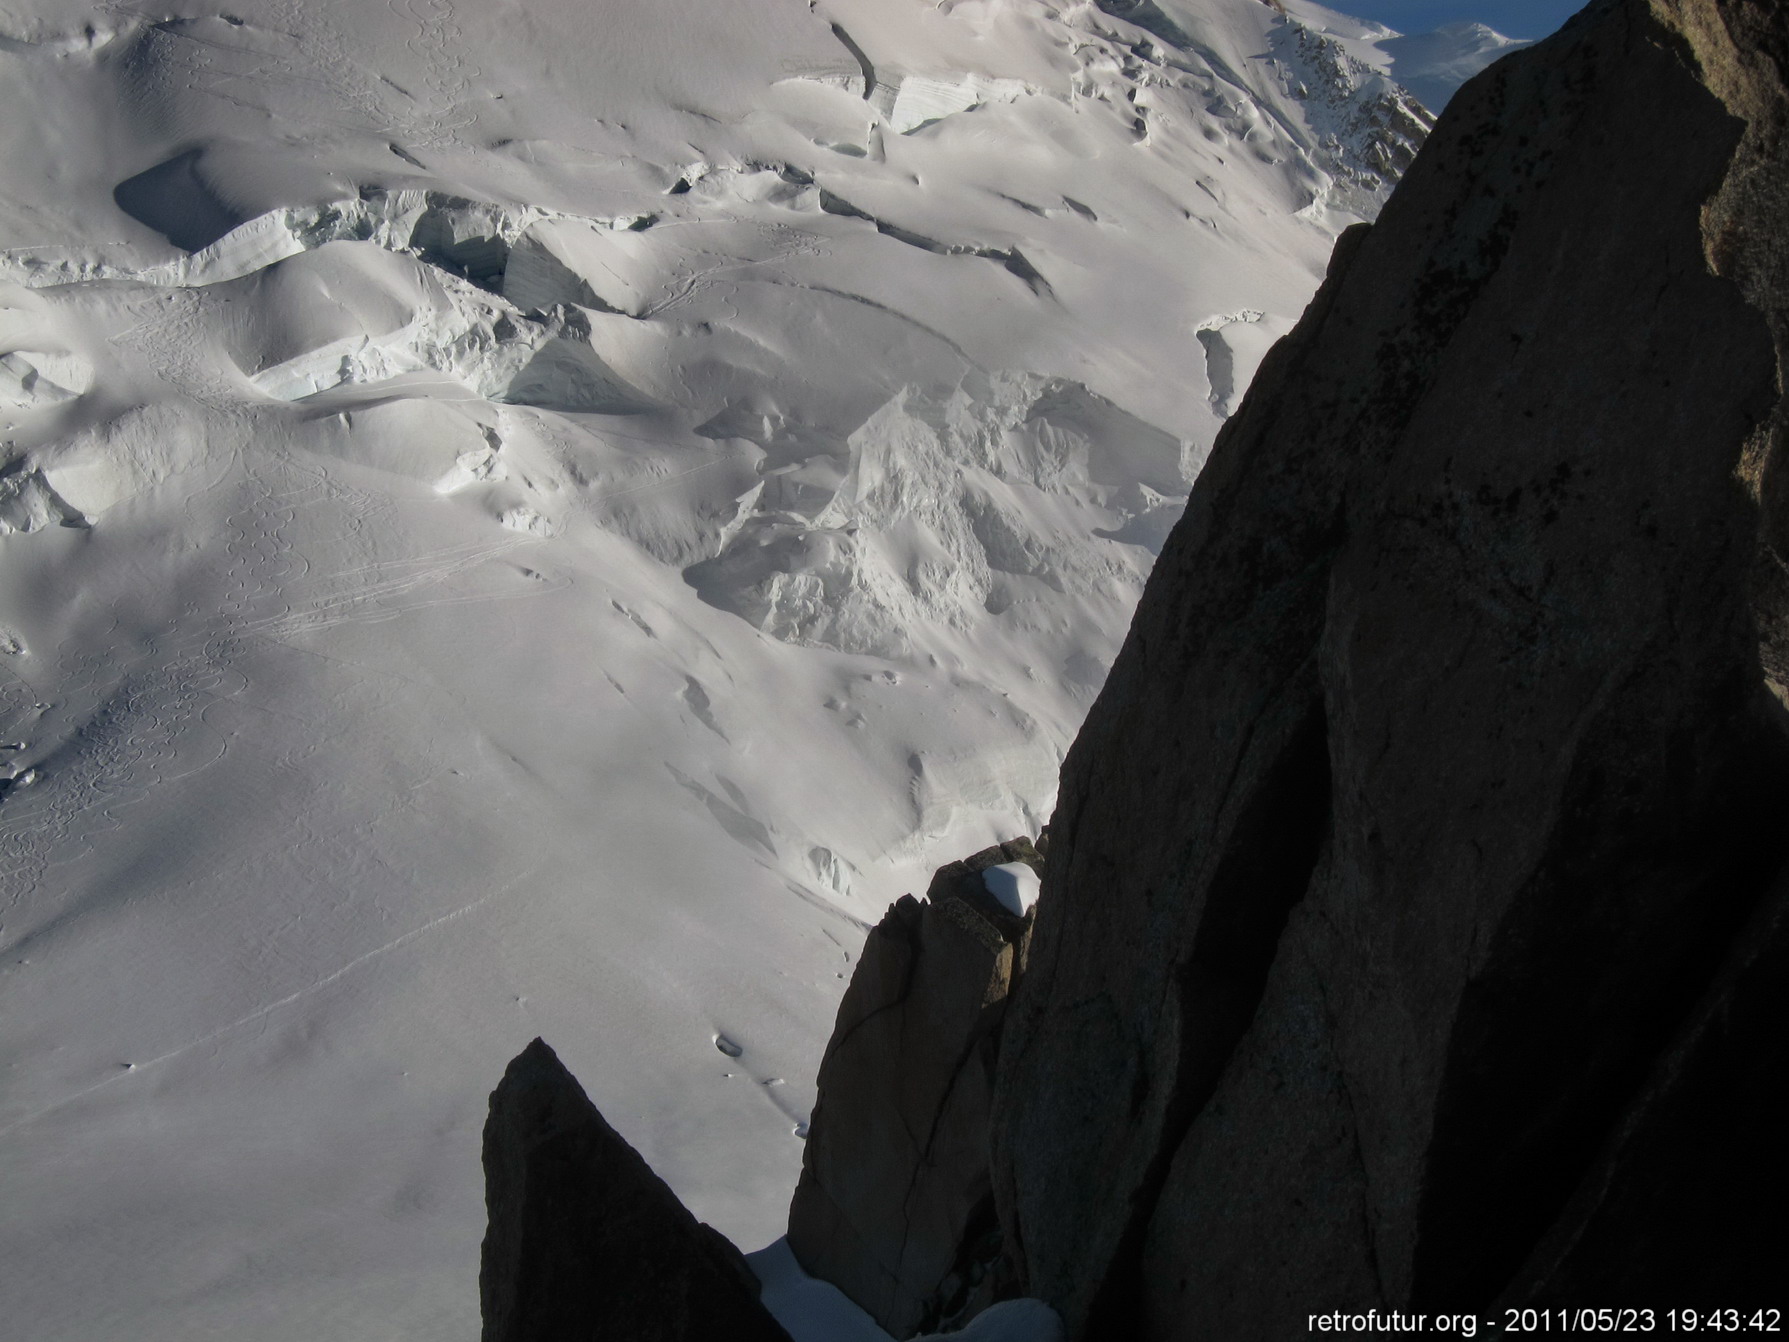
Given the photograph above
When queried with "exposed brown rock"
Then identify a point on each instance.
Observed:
(1380, 955)
(585, 1241)
(894, 1203)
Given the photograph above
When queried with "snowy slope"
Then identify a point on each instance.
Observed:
(1429, 65)
(541, 518)
(1433, 65)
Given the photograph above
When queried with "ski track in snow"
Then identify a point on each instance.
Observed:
(439, 44)
(790, 244)
(120, 718)
(129, 1070)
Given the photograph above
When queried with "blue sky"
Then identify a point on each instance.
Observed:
(1516, 18)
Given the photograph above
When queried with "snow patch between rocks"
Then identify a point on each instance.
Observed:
(1014, 886)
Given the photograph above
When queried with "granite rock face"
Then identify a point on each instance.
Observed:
(894, 1205)
(585, 1241)
(1412, 930)
(1690, 1183)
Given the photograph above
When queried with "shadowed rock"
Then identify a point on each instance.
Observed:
(1687, 1189)
(1404, 940)
(894, 1206)
(585, 1241)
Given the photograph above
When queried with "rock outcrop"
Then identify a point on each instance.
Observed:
(585, 1241)
(1414, 917)
(894, 1205)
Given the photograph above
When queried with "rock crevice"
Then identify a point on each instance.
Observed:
(894, 1205)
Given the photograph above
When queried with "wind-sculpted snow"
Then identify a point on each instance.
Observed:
(31, 378)
(945, 508)
(628, 487)
(29, 503)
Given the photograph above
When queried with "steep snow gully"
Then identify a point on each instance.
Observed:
(542, 521)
